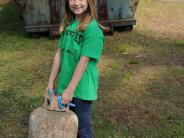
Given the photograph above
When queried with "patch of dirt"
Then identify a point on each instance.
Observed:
(172, 0)
(3, 2)
(166, 27)
(163, 18)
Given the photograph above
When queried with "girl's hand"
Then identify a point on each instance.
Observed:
(67, 96)
(49, 87)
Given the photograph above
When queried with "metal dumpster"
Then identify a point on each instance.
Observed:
(41, 15)
(46, 15)
(117, 13)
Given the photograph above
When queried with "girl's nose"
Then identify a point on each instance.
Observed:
(76, 2)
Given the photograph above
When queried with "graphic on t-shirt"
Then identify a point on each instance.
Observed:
(77, 36)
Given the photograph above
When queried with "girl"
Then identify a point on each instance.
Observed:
(80, 48)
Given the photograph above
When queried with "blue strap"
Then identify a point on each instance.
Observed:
(61, 106)
(51, 92)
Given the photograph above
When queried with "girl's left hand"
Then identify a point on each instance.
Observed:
(67, 96)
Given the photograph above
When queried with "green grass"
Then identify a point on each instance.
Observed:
(141, 75)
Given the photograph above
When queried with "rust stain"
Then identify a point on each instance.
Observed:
(133, 7)
(21, 5)
(102, 10)
(55, 7)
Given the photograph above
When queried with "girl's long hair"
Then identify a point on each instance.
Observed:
(69, 16)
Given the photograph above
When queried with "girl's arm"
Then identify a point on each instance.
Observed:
(68, 92)
(54, 70)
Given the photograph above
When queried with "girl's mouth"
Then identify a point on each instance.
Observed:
(76, 8)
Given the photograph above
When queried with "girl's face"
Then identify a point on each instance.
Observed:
(78, 7)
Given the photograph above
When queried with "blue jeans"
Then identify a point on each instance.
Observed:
(83, 112)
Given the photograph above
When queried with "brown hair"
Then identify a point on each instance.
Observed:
(69, 16)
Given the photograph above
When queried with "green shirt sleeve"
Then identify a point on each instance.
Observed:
(93, 42)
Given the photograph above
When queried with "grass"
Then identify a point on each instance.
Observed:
(141, 75)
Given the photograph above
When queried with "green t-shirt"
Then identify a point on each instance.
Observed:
(75, 44)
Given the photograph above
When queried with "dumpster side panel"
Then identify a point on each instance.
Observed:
(35, 12)
(121, 9)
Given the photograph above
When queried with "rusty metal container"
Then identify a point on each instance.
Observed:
(117, 13)
(41, 15)
(46, 15)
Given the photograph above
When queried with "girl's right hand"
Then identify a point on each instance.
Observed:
(49, 86)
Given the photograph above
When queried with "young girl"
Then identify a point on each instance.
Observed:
(80, 48)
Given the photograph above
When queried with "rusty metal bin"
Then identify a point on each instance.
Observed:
(117, 13)
(46, 15)
(41, 15)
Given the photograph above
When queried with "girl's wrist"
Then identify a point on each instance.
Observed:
(71, 89)
(50, 86)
